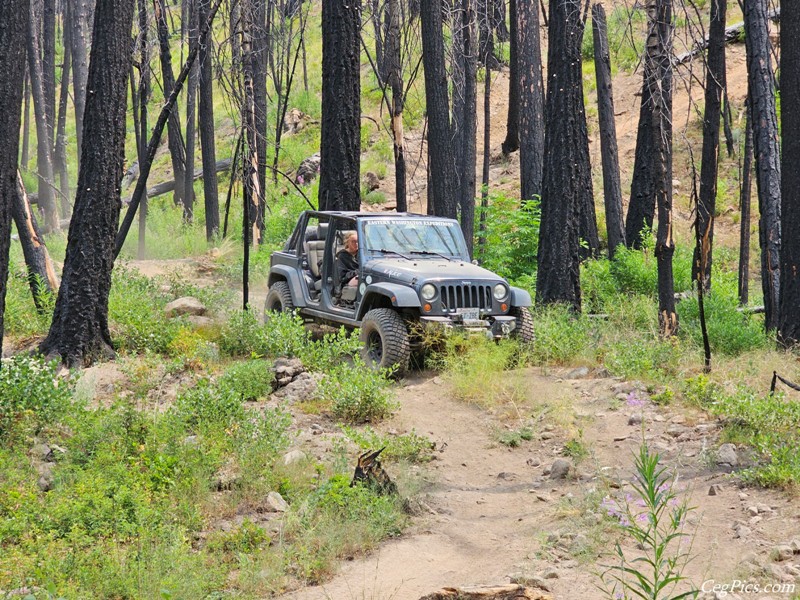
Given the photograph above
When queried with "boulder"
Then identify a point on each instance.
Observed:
(560, 469)
(276, 502)
(183, 307)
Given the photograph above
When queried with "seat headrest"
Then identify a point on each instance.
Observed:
(322, 231)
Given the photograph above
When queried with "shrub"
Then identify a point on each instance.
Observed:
(29, 388)
(410, 446)
(248, 380)
(356, 393)
(561, 335)
(206, 404)
(512, 236)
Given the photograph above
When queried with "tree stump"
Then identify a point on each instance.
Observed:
(500, 592)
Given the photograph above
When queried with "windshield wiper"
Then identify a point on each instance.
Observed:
(430, 253)
(385, 251)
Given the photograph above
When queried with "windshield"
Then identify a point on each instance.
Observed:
(406, 236)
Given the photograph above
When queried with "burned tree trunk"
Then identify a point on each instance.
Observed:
(761, 92)
(745, 179)
(511, 143)
(14, 18)
(258, 58)
(660, 92)
(612, 191)
(79, 332)
(531, 119)
(43, 139)
(715, 81)
(340, 146)
(487, 134)
(80, 38)
(789, 320)
(41, 271)
(60, 150)
(143, 99)
(441, 167)
(191, 116)
(468, 151)
(177, 149)
(206, 124)
(395, 81)
(565, 175)
(47, 40)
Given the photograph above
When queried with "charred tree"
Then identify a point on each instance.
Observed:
(80, 38)
(340, 145)
(511, 143)
(789, 320)
(206, 125)
(48, 53)
(26, 120)
(531, 118)
(469, 122)
(60, 150)
(441, 166)
(141, 100)
(715, 85)
(14, 18)
(79, 331)
(761, 92)
(660, 93)
(565, 177)
(394, 78)
(41, 271)
(177, 150)
(191, 116)
(44, 162)
(612, 191)
(487, 134)
(258, 59)
(745, 189)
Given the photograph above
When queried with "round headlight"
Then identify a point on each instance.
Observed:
(500, 291)
(428, 292)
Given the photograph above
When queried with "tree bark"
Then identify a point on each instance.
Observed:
(565, 179)
(745, 189)
(26, 120)
(340, 147)
(43, 139)
(191, 117)
(260, 49)
(60, 151)
(177, 149)
(511, 143)
(206, 124)
(789, 320)
(469, 122)
(531, 122)
(41, 270)
(14, 21)
(394, 75)
(706, 207)
(660, 91)
(761, 92)
(441, 167)
(487, 135)
(79, 331)
(48, 47)
(612, 190)
(80, 12)
(143, 100)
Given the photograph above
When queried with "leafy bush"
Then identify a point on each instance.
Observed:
(410, 446)
(623, 26)
(249, 380)
(29, 388)
(512, 236)
(207, 404)
(356, 393)
(561, 335)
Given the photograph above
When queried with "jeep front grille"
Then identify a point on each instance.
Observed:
(466, 296)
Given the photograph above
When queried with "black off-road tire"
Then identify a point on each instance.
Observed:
(385, 338)
(279, 299)
(523, 331)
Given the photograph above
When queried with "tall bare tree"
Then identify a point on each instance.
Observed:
(206, 125)
(14, 17)
(79, 331)
(531, 121)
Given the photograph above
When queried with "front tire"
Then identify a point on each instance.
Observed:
(279, 299)
(385, 338)
(523, 330)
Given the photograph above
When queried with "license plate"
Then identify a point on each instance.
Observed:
(470, 314)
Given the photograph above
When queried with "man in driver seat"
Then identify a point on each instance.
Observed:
(347, 261)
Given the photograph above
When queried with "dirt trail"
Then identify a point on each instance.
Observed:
(492, 512)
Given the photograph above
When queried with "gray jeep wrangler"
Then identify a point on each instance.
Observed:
(413, 270)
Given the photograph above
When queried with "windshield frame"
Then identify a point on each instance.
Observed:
(390, 247)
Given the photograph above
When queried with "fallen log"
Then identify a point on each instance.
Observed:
(733, 34)
(501, 592)
(167, 186)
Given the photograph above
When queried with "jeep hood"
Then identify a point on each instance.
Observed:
(427, 269)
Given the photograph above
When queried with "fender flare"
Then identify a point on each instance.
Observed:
(400, 296)
(520, 297)
(291, 276)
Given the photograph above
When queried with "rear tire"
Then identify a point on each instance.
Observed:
(279, 299)
(523, 330)
(385, 338)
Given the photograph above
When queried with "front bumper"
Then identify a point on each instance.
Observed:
(494, 326)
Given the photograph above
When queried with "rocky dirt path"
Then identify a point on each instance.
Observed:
(491, 513)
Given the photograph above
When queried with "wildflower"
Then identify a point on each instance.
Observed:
(634, 400)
